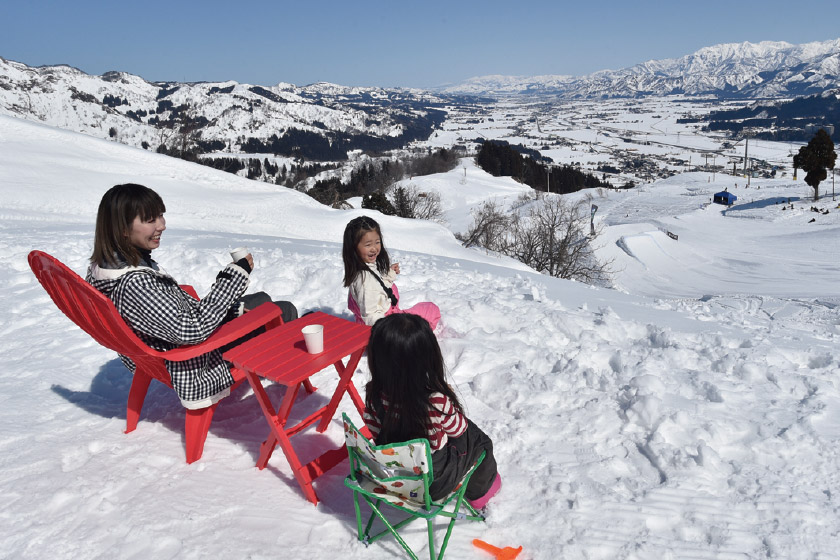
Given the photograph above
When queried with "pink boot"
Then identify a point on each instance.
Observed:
(479, 503)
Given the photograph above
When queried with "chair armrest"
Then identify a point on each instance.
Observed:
(228, 332)
(190, 291)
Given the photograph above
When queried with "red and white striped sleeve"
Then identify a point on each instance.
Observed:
(372, 423)
(445, 415)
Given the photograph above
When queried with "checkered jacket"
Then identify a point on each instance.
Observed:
(165, 317)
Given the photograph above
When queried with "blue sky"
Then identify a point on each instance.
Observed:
(423, 43)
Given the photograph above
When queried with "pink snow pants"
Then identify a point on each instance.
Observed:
(426, 309)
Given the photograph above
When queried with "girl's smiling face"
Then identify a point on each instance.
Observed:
(369, 246)
(145, 234)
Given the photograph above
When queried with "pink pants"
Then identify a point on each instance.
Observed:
(426, 309)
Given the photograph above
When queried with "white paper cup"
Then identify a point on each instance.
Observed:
(313, 336)
(239, 253)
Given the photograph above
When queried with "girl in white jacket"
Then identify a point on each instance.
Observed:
(369, 275)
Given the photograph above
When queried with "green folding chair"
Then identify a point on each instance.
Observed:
(399, 475)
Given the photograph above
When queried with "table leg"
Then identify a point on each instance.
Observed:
(345, 383)
(276, 421)
(310, 388)
(278, 436)
(266, 450)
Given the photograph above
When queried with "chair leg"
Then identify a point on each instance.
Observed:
(136, 395)
(392, 529)
(431, 528)
(196, 426)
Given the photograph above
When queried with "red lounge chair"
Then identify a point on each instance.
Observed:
(96, 315)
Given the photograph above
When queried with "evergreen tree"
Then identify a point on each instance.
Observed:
(377, 201)
(815, 158)
(402, 204)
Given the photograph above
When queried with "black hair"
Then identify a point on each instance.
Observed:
(406, 367)
(117, 210)
(353, 233)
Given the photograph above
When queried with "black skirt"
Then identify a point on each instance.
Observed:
(450, 463)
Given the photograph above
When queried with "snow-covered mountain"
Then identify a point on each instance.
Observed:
(765, 69)
(323, 121)
(326, 119)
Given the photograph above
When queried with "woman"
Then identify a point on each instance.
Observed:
(129, 225)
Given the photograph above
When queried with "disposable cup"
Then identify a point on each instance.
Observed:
(313, 336)
(239, 253)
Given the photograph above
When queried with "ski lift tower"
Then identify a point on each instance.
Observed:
(547, 178)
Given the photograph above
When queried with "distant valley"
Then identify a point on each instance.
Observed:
(630, 126)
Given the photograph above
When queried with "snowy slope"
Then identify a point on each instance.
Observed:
(225, 114)
(699, 421)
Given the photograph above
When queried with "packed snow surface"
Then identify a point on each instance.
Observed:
(689, 412)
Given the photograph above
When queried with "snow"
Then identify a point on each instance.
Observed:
(691, 412)
(764, 69)
(66, 97)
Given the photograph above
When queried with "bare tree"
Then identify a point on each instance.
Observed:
(564, 245)
(552, 238)
(488, 229)
(411, 203)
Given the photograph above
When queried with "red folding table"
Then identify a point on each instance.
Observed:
(280, 355)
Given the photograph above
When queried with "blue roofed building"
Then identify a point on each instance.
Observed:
(725, 197)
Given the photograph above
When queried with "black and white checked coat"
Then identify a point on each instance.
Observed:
(166, 317)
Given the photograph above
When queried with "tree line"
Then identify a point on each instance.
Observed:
(376, 176)
(501, 159)
(787, 121)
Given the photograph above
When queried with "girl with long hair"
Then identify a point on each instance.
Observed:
(369, 275)
(408, 397)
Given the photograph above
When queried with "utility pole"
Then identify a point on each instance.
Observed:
(747, 171)
(746, 150)
(547, 178)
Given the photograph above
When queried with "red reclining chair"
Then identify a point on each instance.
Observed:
(95, 314)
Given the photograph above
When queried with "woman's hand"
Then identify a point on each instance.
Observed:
(396, 268)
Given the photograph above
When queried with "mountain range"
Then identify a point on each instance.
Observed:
(320, 121)
(767, 69)
(324, 121)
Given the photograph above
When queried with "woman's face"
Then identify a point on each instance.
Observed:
(369, 246)
(145, 234)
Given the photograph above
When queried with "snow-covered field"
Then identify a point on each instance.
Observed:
(692, 412)
(641, 138)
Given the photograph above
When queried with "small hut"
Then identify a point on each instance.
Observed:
(725, 197)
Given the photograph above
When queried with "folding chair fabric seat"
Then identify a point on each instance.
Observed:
(96, 314)
(400, 475)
